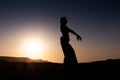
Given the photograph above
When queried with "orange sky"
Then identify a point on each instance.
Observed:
(12, 44)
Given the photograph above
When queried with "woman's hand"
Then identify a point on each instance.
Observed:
(78, 37)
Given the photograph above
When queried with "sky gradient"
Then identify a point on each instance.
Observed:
(97, 21)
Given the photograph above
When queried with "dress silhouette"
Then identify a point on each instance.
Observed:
(70, 59)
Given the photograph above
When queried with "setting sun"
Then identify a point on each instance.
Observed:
(33, 48)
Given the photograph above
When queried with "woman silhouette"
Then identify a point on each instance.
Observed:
(69, 53)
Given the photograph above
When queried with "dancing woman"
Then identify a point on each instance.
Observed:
(69, 53)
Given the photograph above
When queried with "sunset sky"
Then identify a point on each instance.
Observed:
(27, 23)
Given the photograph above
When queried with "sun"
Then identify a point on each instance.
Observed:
(33, 48)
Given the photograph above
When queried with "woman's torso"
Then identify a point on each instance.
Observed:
(65, 33)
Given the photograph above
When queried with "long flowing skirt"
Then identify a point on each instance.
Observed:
(69, 53)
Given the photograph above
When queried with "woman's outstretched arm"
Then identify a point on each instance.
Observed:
(77, 36)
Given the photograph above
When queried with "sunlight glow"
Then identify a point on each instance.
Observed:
(33, 48)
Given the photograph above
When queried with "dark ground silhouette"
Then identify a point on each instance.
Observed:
(21, 70)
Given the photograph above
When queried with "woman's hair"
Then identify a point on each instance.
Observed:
(63, 20)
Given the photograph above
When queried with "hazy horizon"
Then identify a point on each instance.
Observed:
(26, 23)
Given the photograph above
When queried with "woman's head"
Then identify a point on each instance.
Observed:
(63, 20)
